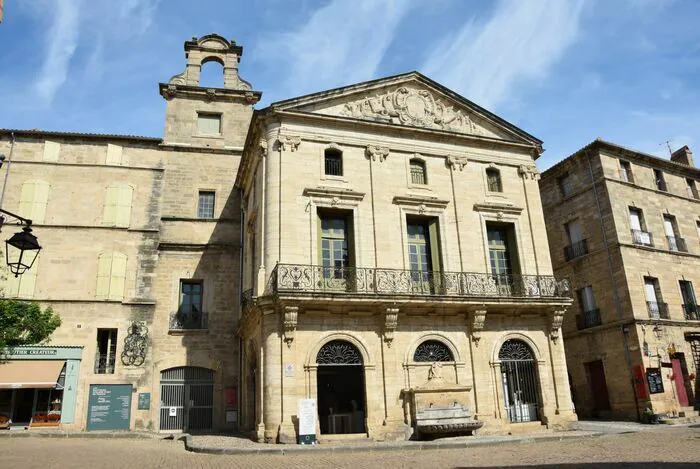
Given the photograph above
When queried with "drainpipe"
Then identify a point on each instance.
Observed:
(7, 172)
(618, 306)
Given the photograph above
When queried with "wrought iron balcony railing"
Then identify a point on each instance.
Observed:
(690, 310)
(313, 278)
(657, 310)
(676, 244)
(104, 363)
(181, 321)
(642, 237)
(588, 319)
(575, 250)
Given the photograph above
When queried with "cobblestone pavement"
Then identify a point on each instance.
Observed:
(670, 448)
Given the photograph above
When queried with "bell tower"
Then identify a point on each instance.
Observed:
(199, 116)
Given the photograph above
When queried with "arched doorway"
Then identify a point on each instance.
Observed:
(520, 381)
(186, 399)
(340, 388)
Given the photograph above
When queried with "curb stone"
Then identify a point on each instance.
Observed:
(123, 435)
(288, 449)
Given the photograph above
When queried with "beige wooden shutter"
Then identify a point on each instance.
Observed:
(41, 198)
(27, 282)
(123, 206)
(114, 155)
(26, 199)
(109, 216)
(104, 269)
(12, 286)
(118, 276)
(51, 151)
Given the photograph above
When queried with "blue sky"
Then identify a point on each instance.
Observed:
(566, 71)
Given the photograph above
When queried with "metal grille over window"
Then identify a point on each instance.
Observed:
(338, 352)
(493, 176)
(205, 208)
(514, 349)
(418, 172)
(333, 160)
(432, 351)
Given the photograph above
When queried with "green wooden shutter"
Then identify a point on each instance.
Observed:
(104, 269)
(109, 216)
(350, 238)
(118, 276)
(26, 199)
(51, 151)
(434, 238)
(123, 206)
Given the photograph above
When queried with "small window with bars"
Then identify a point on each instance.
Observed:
(205, 207)
(418, 175)
(333, 162)
(105, 357)
(493, 178)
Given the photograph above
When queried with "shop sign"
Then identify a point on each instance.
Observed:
(33, 352)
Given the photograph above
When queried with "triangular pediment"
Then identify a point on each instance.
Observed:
(408, 100)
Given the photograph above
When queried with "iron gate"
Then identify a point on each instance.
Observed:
(520, 383)
(186, 399)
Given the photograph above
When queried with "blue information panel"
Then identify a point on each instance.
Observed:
(109, 407)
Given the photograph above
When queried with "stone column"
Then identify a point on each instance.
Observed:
(272, 372)
(393, 418)
(290, 397)
(560, 376)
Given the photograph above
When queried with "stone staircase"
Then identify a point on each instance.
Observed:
(686, 415)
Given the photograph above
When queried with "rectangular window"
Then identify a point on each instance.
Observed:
(115, 154)
(588, 308)
(106, 354)
(692, 189)
(655, 305)
(208, 123)
(190, 312)
(639, 233)
(493, 178)
(503, 257)
(690, 308)
(335, 247)
(424, 258)
(418, 172)
(565, 185)
(626, 171)
(205, 206)
(660, 180)
(675, 242)
(333, 162)
(577, 243)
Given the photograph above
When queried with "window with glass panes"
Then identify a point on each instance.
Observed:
(418, 249)
(190, 297)
(418, 172)
(205, 207)
(493, 177)
(334, 246)
(498, 253)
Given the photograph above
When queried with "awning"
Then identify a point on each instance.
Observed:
(30, 373)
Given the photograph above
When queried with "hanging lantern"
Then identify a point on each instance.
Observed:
(21, 251)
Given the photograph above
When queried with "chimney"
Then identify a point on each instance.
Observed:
(683, 156)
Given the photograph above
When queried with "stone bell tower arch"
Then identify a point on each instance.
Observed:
(189, 103)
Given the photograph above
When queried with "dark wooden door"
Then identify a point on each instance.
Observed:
(679, 379)
(599, 387)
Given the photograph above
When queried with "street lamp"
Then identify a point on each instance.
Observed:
(22, 249)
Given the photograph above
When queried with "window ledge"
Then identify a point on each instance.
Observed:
(328, 177)
(212, 136)
(188, 331)
(421, 187)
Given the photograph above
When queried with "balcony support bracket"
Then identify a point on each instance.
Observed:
(391, 320)
(477, 320)
(556, 318)
(289, 321)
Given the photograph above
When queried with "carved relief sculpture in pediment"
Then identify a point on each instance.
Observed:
(410, 106)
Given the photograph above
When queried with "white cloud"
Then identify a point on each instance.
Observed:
(522, 39)
(341, 43)
(62, 39)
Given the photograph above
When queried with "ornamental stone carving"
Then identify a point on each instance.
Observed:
(457, 162)
(289, 142)
(555, 326)
(391, 320)
(413, 107)
(373, 152)
(289, 321)
(528, 172)
(477, 321)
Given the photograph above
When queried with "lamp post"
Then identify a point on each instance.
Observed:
(22, 249)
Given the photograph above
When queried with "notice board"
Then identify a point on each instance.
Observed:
(109, 407)
(656, 383)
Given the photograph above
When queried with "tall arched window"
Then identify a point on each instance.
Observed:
(418, 174)
(333, 161)
(493, 178)
(433, 351)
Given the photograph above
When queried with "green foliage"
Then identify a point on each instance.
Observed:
(25, 323)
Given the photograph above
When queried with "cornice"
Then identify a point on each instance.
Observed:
(331, 192)
(496, 207)
(170, 91)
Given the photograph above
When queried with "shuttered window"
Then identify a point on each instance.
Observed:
(208, 124)
(111, 276)
(33, 199)
(51, 151)
(22, 286)
(117, 208)
(114, 155)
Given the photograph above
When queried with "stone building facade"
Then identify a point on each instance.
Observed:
(380, 248)
(624, 226)
(389, 223)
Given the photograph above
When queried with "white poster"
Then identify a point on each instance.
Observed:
(307, 417)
